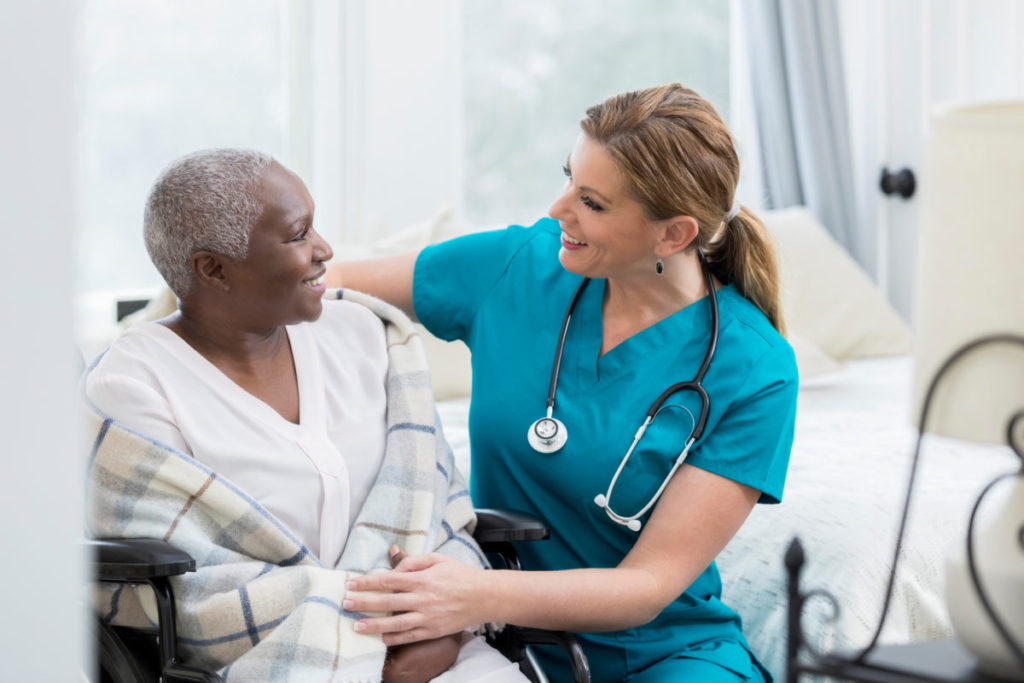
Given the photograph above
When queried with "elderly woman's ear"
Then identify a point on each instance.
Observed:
(208, 269)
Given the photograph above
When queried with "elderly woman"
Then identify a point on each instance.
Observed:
(284, 440)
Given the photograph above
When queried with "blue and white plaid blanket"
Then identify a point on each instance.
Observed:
(260, 606)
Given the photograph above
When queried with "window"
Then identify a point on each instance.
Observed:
(388, 109)
(532, 69)
(476, 104)
(158, 80)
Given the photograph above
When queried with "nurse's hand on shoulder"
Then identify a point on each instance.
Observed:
(428, 595)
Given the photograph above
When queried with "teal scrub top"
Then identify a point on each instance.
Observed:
(504, 293)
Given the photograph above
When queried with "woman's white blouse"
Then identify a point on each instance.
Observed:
(313, 476)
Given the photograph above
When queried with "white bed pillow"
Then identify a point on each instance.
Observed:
(811, 361)
(826, 298)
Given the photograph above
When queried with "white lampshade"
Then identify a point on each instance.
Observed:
(970, 269)
(970, 284)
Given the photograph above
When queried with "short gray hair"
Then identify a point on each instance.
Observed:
(203, 201)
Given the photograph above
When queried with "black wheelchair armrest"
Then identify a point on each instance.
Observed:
(506, 526)
(149, 561)
(137, 559)
(496, 530)
(512, 641)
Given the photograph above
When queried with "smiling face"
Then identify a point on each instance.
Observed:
(605, 233)
(281, 279)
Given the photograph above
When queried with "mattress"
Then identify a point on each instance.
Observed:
(844, 492)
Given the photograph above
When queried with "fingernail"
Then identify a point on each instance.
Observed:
(394, 551)
(351, 585)
(348, 604)
(360, 626)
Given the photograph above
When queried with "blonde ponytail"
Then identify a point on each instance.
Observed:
(743, 252)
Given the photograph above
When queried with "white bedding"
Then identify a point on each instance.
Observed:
(847, 477)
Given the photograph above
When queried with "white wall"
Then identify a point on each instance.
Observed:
(40, 507)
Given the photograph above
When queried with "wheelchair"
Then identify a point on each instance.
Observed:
(128, 655)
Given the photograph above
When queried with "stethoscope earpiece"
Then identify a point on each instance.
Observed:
(601, 501)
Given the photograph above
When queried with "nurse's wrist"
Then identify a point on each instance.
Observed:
(333, 275)
(487, 596)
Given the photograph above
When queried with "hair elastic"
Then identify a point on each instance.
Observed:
(734, 211)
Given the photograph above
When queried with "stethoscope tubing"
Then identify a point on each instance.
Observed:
(695, 385)
(552, 386)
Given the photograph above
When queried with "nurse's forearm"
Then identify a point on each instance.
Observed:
(574, 600)
(388, 278)
(431, 594)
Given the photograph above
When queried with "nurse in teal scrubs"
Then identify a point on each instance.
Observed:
(650, 183)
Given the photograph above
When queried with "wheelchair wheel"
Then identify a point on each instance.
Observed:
(116, 662)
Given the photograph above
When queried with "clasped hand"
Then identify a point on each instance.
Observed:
(428, 596)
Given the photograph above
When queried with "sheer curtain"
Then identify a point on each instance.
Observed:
(799, 92)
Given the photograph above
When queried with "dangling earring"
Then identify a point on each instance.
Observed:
(659, 267)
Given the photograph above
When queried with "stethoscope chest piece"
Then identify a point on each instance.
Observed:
(547, 435)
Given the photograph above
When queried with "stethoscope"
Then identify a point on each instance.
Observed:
(548, 434)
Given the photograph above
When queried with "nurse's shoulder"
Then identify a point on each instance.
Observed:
(498, 248)
(752, 339)
(532, 247)
(392, 278)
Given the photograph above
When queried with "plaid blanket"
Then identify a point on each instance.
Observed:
(260, 606)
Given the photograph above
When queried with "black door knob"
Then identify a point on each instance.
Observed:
(902, 182)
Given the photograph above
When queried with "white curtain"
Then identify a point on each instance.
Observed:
(799, 91)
